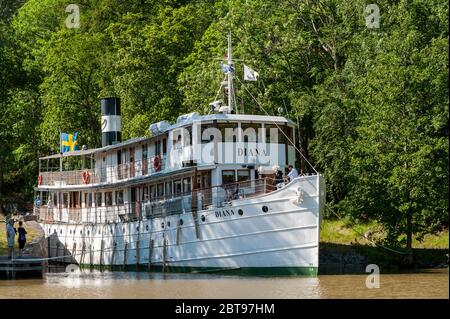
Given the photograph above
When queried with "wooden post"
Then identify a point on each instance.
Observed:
(48, 247)
(113, 254)
(164, 254)
(125, 256)
(74, 250)
(195, 220)
(101, 254)
(138, 259)
(64, 251)
(150, 251)
(194, 204)
(83, 248)
(178, 231)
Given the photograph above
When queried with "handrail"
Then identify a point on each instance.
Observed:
(104, 173)
(205, 198)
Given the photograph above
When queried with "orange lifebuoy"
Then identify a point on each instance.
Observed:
(157, 163)
(40, 180)
(86, 177)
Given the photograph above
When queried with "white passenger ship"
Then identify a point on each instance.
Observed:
(197, 195)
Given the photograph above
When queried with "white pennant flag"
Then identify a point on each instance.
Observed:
(249, 74)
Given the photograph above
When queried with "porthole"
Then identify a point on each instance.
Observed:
(265, 209)
(203, 218)
(181, 221)
(115, 244)
(146, 227)
(137, 228)
(162, 225)
(240, 212)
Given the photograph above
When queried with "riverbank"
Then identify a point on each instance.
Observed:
(349, 248)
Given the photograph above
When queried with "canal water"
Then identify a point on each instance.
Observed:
(133, 285)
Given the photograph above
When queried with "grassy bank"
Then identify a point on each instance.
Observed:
(31, 234)
(344, 237)
(345, 233)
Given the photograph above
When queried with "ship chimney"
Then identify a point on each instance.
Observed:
(111, 121)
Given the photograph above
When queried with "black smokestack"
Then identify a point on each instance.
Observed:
(111, 121)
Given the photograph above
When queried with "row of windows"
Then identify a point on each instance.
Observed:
(231, 176)
(229, 133)
(109, 198)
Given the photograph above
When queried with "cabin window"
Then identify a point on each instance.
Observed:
(272, 133)
(243, 175)
(153, 191)
(145, 196)
(119, 197)
(209, 132)
(168, 189)
(65, 200)
(177, 187)
(251, 133)
(160, 190)
(88, 199)
(177, 139)
(229, 132)
(108, 198)
(228, 176)
(144, 159)
(164, 146)
(98, 199)
(187, 138)
(74, 199)
(157, 147)
(187, 184)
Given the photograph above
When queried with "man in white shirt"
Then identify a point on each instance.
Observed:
(292, 173)
(10, 235)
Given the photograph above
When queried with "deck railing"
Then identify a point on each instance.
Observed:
(196, 200)
(102, 174)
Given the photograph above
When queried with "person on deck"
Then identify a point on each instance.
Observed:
(278, 176)
(22, 237)
(292, 173)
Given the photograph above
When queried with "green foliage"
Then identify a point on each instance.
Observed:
(372, 104)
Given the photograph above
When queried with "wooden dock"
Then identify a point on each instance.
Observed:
(21, 267)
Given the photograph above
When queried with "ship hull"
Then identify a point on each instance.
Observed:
(272, 234)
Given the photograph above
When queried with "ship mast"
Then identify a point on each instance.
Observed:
(230, 75)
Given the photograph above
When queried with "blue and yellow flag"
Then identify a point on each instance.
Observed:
(69, 142)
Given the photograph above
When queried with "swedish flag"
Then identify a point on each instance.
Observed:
(69, 142)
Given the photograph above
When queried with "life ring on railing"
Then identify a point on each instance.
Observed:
(40, 180)
(157, 163)
(86, 177)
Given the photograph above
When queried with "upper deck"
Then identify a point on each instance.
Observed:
(212, 141)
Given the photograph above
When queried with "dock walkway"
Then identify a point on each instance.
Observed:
(21, 267)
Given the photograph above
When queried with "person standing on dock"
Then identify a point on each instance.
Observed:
(10, 234)
(22, 237)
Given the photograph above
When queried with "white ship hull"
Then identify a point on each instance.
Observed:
(239, 238)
